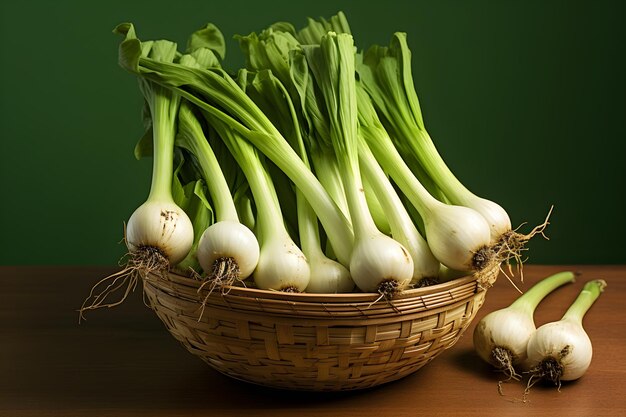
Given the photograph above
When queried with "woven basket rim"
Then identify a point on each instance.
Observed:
(353, 297)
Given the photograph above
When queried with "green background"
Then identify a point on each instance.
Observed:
(525, 100)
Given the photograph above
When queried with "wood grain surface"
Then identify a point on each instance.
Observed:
(122, 362)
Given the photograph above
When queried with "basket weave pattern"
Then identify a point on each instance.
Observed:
(314, 342)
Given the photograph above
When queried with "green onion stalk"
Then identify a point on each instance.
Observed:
(402, 227)
(386, 75)
(327, 275)
(561, 350)
(227, 251)
(218, 95)
(278, 49)
(159, 234)
(282, 266)
(378, 263)
(457, 236)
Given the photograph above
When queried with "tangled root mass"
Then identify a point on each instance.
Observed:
(141, 263)
(488, 261)
(224, 273)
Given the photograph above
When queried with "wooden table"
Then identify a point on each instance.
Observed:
(122, 362)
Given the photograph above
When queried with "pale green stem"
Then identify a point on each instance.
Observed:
(590, 293)
(164, 131)
(308, 229)
(399, 220)
(431, 161)
(327, 172)
(269, 215)
(529, 301)
(280, 152)
(391, 161)
(362, 220)
(225, 209)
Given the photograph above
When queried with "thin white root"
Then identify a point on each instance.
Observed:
(514, 244)
(141, 263)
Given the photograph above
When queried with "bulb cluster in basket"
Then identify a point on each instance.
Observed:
(308, 170)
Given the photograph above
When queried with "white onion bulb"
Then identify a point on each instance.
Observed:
(455, 234)
(229, 239)
(501, 337)
(378, 259)
(563, 343)
(329, 277)
(497, 218)
(562, 351)
(282, 266)
(162, 225)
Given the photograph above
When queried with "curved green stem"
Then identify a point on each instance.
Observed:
(529, 301)
(192, 137)
(590, 293)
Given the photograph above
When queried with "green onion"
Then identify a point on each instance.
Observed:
(327, 275)
(159, 233)
(215, 92)
(378, 263)
(282, 266)
(403, 230)
(387, 77)
(227, 250)
(561, 350)
(501, 337)
(340, 134)
(458, 236)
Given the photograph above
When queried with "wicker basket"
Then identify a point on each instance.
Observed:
(315, 342)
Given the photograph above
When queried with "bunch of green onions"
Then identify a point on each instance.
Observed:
(309, 170)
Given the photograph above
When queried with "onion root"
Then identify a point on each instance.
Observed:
(142, 262)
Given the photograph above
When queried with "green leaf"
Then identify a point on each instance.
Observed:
(178, 192)
(333, 66)
(245, 208)
(269, 50)
(270, 95)
(209, 37)
(163, 51)
(188, 61)
(130, 49)
(200, 191)
(400, 49)
(387, 76)
(312, 102)
(316, 29)
(144, 146)
(201, 214)
(299, 78)
(191, 195)
(206, 58)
